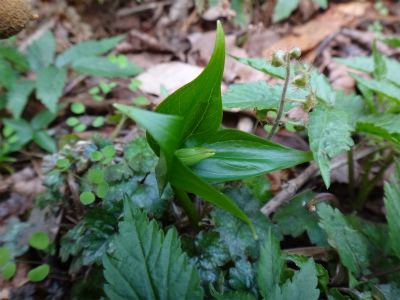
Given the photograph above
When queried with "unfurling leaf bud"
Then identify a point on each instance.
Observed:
(278, 58)
(14, 16)
(191, 156)
(295, 52)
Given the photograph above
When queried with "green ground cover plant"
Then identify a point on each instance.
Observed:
(128, 234)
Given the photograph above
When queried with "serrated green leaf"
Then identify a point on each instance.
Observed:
(334, 294)
(45, 117)
(386, 126)
(353, 104)
(9, 239)
(198, 102)
(237, 237)
(8, 76)
(270, 266)
(86, 49)
(243, 277)
(45, 141)
(12, 54)
(352, 251)
(103, 67)
(49, 86)
(383, 87)
(148, 265)
(323, 89)
(294, 218)
(260, 95)
(283, 9)
(302, 286)
(71, 242)
(117, 172)
(17, 97)
(262, 65)
(361, 63)
(241, 155)
(41, 53)
(380, 69)
(392, 203)
(330, 134)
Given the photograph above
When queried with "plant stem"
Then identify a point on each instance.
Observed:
(295, 100)
(350, 163)
(79, 177)
(118, 128)
(367, 185)
(188, 207)
(282, 102)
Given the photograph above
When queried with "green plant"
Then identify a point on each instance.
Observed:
(49, 84)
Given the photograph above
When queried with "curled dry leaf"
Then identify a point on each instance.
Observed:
(15, 16)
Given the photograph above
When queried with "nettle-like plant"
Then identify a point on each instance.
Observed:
(184, 133)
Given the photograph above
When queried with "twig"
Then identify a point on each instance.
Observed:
(137, 9)
(73, 83)
(282, 102)
(292, 186)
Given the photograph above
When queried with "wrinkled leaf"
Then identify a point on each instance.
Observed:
(294, 218)
(392, 203)
(103, 67)
(330, 135)
(41, 53)
(352, 251)
(386, 126)
(238, 237)
(86, 49)
(147, 264)
(49, 86)
(243, 277)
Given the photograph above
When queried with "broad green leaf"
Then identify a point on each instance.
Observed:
(22, 129)
(262, 65)
(302, 286)
(102, 189)
(380, 69)
(49, 86)
(386, 126)
(148, 265)
(103, 67)
(198, 102)
(117, 172)
(352, 251)
(243, 277)
(9, 239)
(39, 240)
(41, 53)
(45, 141)
(164, 129)
(18, 95)
(95, 175)
(8, 77)
(87, 198)
(109, 151)
(361, 63)
(39, 273)
(283, 9)
(383, 87)
(392, 203)
(233, 231)
(86, 49)
(12, 54)
(393, 69)
(329, 132)
(241, 155)
(334, 294)
(392, 41)
(323, 89)
(294, 218)
(182, 177)
(239, 7)
(260, 95)
(270, 265)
